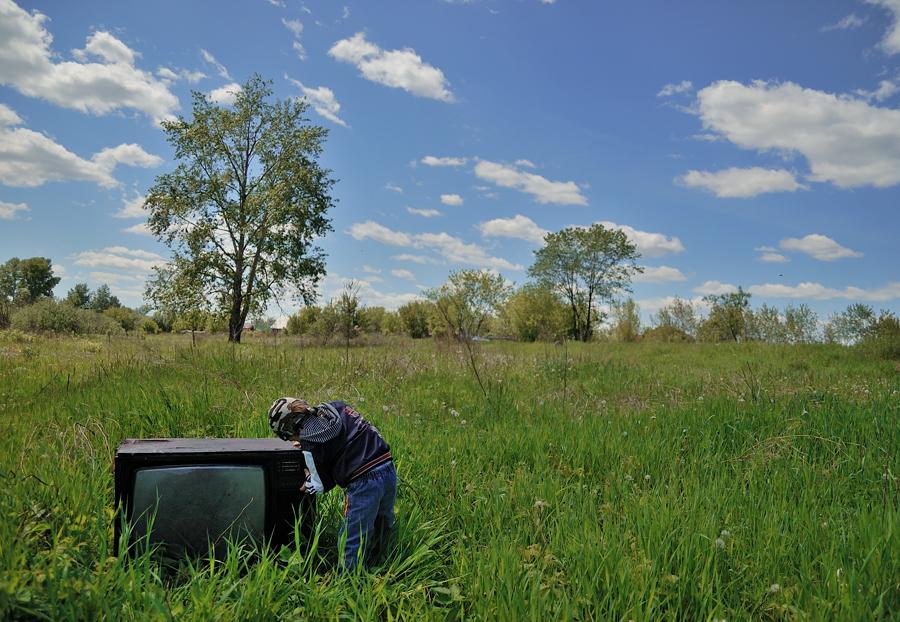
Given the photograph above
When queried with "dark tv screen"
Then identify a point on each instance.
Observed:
(193, 507)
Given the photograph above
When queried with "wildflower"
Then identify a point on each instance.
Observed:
(628, 478)
(652, 417)
(684, 431)
(454, 412)
(700, 399)
(720, 543)
(463, 422)
(647, 477)
(385, 408)
(625, 434)
(453, 463)
(540, 504)
(774, 588)
(725, 534)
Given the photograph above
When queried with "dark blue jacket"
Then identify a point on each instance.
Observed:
(355, 451)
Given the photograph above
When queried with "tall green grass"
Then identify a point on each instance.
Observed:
(593, 482)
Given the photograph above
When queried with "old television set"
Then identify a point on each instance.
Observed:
(191, 496)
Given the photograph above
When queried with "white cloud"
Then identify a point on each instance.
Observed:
(518, 227)
(334, 283)
(649, 244)
(9, 211)
(448, 247)
(8, 116)
(371, 269)
(741, 183)
(659, 274)
(770, 257)
(393, 187)
(323, 101)
(846, 141)
(419, 259)
(220, 68)
(542, 189)
(652, 305)
(714, 288)
(129, 260)
(403, 274)
(296, 27)
(29, 159)
(192, 77)
(685, 86)
(817, 291)
(886, 89)
(225, 95)
(451, 199)
(140, 229)
(848, 22)
(445, 161)
(28, 64)
(890, 43)
(818, 246)
(395, 68)
(425, 213)
(526, 163)
(132, 208)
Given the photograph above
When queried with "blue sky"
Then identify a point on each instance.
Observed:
(737, 143)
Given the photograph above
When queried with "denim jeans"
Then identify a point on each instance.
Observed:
(369, 516)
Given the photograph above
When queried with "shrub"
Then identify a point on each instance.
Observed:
(49, 316)
(149, 326)
(666, 333)
(882, 338)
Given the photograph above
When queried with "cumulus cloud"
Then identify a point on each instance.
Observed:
(886, 89)
(817, 291)
(659, 274)
(714, 288)
(770, 257)
(8, 116)
(685, 86)
(450, 248)
(403, 274)
(890, 43)
(445, 161)
(333, 284)
(518, 227)
(110, 83)
(451, 199)
(225, 95)
(393, 187)
(402, 69)
(542, 189)
(425, 213)
(132, 208)
(649, 244)
(29, 159)
(13, 211)
(846, 141)
(819, 247)
(419, 259)
(122, 258)
(323, 101)
(139, 229)
(741, 183)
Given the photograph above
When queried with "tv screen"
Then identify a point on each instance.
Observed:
(183, 495)
(192, 507)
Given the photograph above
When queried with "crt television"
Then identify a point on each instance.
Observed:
(197, 493)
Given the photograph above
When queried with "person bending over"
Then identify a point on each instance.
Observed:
(341, 448)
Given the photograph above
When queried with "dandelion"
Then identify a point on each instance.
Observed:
(774, 588)
(700, 399)
(647, 477)
(625, 434)
(684, 431)
(540, 504)
(628, 478)
(454, 412)
(653, 418)
(720, 543)
(463, 422)
(725, 534)
(385, 408)
(453, 463)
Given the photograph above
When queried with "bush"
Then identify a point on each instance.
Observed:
(49, 316)
(666, 334)
(149, 326)
(882, 338)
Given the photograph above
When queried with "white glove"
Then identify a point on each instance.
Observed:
(312, 487)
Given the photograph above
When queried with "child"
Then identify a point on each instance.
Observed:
(341, 448)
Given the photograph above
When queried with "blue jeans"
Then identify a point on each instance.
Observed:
(369, 516)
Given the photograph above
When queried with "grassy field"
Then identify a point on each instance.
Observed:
(593, 482)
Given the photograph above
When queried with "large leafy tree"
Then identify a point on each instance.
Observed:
(24, 281)
(467, 300)
(585, 265)
(243, 206)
